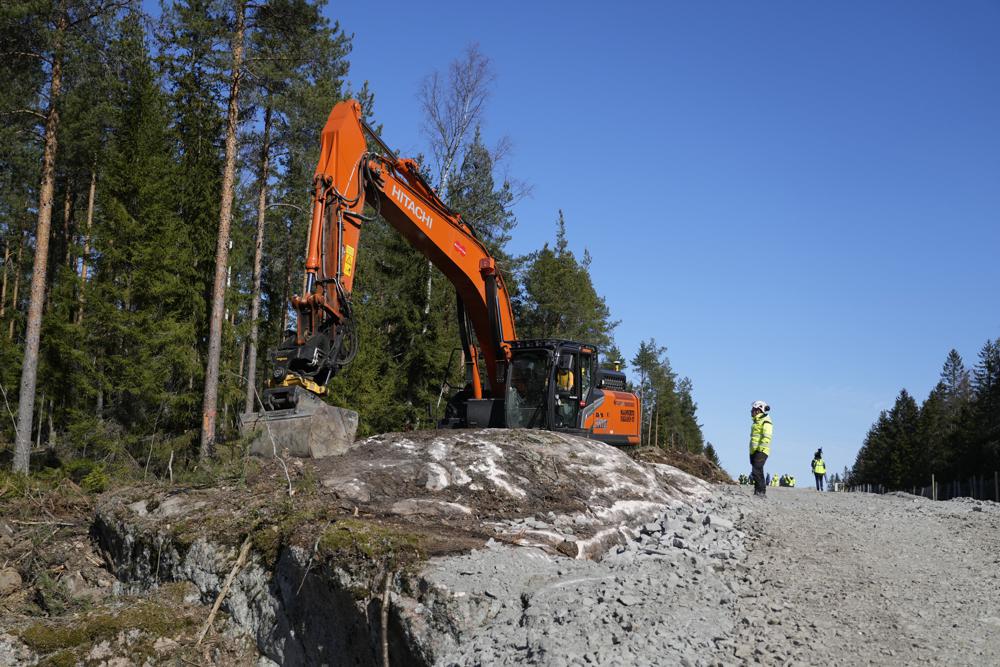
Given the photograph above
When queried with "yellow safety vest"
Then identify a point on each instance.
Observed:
(819, 467)
(760, 434)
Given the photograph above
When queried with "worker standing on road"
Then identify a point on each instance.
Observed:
(760, 443)
(819, 468)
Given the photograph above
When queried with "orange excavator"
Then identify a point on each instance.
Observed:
(511, 383)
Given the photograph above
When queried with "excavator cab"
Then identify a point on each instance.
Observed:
(556, 385)
(549, 384)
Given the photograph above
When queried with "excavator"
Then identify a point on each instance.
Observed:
(551, 384)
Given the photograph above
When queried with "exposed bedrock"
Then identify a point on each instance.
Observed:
(481, 541)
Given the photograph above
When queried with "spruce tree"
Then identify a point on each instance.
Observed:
(143, 322)
(558, 297)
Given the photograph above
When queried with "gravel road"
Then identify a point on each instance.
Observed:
(797, 578)
(854, 578)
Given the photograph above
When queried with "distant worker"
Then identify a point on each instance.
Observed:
(819, 468)
(760, 443)
(776, 480)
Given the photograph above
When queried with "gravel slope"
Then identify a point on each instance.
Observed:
(797, 578)
(858, 578)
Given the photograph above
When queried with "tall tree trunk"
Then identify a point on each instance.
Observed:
(17, 286)
(6, 270)
(258, 260)
(99, 407)
(287, 289)
(86, 244)
(52, 429)
(67, 220)
(29, 369)
(210, 404)
(41, 416)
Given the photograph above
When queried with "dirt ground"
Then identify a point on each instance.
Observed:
(58, 602)
(854, 578)
(692, 464)
(802, 578)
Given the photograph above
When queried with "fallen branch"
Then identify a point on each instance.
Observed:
(312, 556)
(42, 523)
(244, 550)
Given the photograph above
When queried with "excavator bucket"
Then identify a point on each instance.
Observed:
(309, 428)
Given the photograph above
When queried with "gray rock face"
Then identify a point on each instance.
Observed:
(715, 578)
(547, 508)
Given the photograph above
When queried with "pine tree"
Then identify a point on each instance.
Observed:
(298, 62)
(210, 405)
(874, 456)
(980, 428)
(935, 426)
(688, 420)
(486, 208)
(44, 31)
(891, 454)
(559, 299)
(956, 388)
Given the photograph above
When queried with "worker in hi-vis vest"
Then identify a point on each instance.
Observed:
(819, 468)
(760, 443)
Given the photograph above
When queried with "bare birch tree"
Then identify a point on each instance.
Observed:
(453, 105)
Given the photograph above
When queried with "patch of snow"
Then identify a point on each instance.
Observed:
(438, 450)
(487, 465)
(437, 477)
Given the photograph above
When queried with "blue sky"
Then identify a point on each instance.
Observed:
(800, 200)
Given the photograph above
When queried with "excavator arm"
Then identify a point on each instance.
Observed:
(348, 176)
(540, 383)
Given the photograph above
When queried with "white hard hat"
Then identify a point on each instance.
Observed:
(762, 406)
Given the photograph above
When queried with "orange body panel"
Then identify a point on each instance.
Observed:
(617, 417)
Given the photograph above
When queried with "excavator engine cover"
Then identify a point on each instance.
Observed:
(309, 428)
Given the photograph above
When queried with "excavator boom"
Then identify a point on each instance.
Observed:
(351, 175)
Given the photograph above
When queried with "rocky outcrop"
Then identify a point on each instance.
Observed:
(457, 530)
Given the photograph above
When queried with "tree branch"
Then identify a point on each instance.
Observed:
(30, 112)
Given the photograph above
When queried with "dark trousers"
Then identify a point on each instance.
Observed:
(757, 463)
(819, 481)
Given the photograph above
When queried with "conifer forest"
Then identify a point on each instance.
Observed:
(155, 178)
(954, 434)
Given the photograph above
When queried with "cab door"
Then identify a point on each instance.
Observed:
(568, 391)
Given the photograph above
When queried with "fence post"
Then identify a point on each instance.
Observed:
(996, 486)
(933, 489)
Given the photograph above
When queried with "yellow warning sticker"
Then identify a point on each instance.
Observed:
(348, 261)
